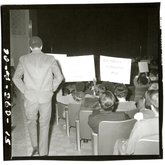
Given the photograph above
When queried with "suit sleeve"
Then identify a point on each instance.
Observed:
(17, 78)
(57, 75)
(134, 137)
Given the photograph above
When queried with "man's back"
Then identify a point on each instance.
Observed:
(41, 76)
(37, 71)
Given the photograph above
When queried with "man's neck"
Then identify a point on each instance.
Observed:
(36, 50)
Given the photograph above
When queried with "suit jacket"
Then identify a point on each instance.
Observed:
(37, 76)
(142, 128)
(97, 116)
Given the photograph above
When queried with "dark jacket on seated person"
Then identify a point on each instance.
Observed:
(106, 112)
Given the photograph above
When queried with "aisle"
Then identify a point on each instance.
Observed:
(19, 138)
(60, 144)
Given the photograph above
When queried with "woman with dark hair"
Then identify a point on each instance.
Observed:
(121, 92)
(106, 112)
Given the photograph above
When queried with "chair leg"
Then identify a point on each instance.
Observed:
(94, 143)
(57, 117)
(67, 123)
(78, 135)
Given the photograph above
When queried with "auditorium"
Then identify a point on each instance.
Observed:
(85, 81)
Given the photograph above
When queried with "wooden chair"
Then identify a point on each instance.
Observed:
(71, 114)
(83, 131)
(147, 146)
(109, 132)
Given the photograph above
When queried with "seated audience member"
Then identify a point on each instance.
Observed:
(99, 89)
(106, 112)
(109, 86)
(141, 84)
(121, 93)
(144, 127)
(142, 103)
(153, 75)
(88, 88)
(154, 86)
(68, 87)
(74, 97)
(150, 108)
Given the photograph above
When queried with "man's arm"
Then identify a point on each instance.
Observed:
(135, 135)
(17, 78)
(57, 75)
(127, 146)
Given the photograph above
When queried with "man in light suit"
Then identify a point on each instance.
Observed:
(37, 76)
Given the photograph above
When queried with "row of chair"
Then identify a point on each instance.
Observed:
(109, 131)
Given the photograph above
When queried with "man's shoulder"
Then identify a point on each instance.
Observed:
(48, 58)
(24, 56)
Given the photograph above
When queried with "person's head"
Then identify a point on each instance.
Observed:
(80, 86)
(66, 91)
(107, 101)
(142, 79)
(100, 89)
(121, 91)
(154, 86)
(108, 85)
(78, 95)
(152, 99)
(35, 42)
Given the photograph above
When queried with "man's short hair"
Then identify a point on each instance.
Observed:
(35, 42)
(107, 101)
(121, 91)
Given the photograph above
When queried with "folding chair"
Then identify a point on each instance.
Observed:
(71, 114)
(147, 146)
(83, 131)
(109, 132)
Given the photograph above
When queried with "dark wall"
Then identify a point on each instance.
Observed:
(115, 30)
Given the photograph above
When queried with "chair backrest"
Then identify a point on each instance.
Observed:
(110, 131)
(85, 130)
(61, 108)
(73, 111)
(128, 107)
(147, 146)
(131, 113)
